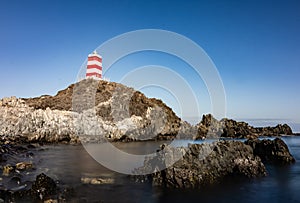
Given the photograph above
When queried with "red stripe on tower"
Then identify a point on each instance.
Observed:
(94, 66)
(91, 66)
(93, 74)
(95, 58)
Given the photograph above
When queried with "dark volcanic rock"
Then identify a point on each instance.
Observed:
(236, 129)
(274, 131)
(210, 127)
(202, 164)
(272, 151)
(15, 159)
(43, 186)
(15, 186)
(41, 189)
(296, 134)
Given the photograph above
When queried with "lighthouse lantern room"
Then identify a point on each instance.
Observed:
(94, 66)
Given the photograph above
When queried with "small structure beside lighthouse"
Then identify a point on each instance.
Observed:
(94, 66)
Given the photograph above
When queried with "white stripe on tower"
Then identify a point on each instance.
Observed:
(94, 63)
(93, 70)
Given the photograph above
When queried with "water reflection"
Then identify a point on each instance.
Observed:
(71, 163)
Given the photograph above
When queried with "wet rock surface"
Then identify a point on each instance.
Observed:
(205, 164)
(271, 151)
(43, 187)
(202, 164)
(97, 180)
(19, 182)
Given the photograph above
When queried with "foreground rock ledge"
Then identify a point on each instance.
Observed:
(43, 188)
(202, 164)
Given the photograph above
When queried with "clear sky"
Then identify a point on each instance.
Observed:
(255, 46)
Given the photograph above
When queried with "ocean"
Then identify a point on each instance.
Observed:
(70, 164)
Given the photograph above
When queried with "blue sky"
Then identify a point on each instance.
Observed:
(255, 46)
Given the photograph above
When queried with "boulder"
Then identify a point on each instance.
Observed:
(202, 164)
(271, 151)
(24, 165)
(43, 187)
(7, 169)
(97, 180)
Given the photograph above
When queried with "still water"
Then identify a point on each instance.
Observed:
(70, 164)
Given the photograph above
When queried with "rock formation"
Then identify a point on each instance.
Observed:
(91, 110)
(42, 187)
(95, 110)
(18, 120)
(18, 164)
(211, 127)
(271, 151)
(202, 164)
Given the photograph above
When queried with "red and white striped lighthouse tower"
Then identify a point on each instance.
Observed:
(94, 66)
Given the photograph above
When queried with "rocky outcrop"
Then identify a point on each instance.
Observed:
(280, 129)
(211, 127)
(271, 151)
(17, 120)
(202, 164)
(91, 110)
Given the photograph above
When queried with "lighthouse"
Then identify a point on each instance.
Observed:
(94, 66)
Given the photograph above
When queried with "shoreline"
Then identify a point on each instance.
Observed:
(234, 146)
(52, 120)
(63, 117)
